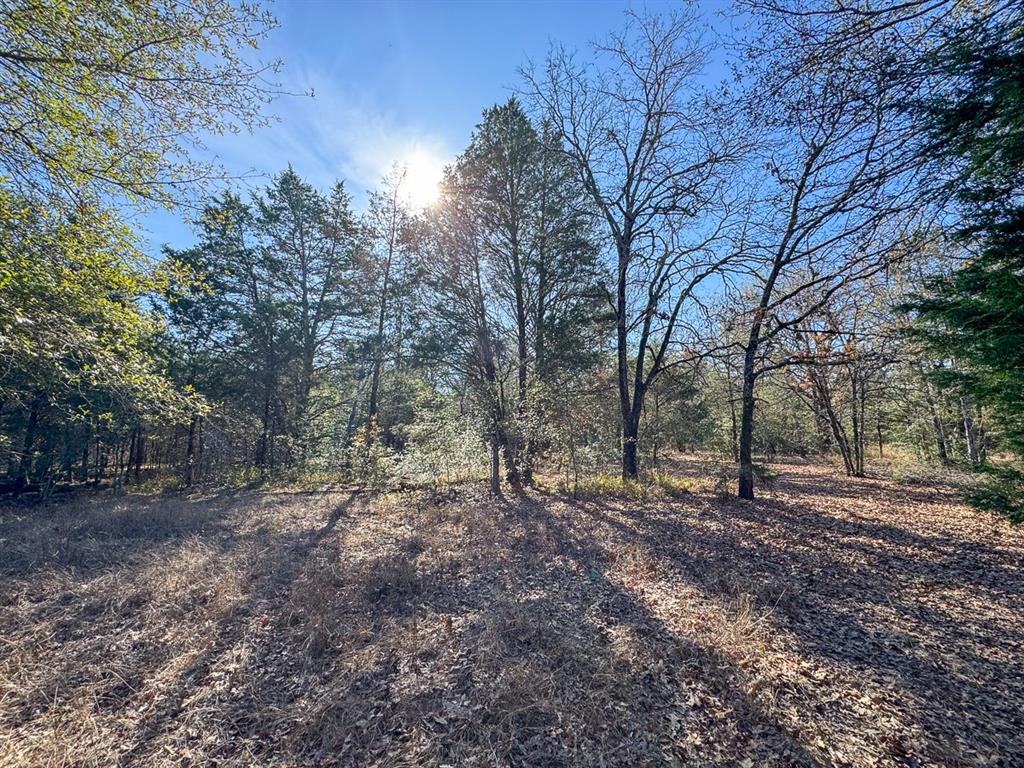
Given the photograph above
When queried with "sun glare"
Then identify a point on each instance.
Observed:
(423, 175)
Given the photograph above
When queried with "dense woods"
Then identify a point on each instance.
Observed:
(820, 257)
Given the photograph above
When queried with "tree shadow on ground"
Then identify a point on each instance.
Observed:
(923, 617)
(527, 631)
(510, 646)
(123, 636)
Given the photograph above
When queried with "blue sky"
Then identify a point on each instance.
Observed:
(392, 80)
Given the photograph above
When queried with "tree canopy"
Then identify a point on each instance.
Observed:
(821, 256)
(113, 100)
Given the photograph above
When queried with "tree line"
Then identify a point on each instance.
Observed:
(818, 256)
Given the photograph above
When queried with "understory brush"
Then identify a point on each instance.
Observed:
(650, 485)
(1001, 490)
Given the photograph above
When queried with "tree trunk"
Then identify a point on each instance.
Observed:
(97, 467)
(821, 401)
(494, 390)
(746, 480)
(45, 477)
(746, 483)
(979, 433)
(350, 426)
(525, 448)
(378, 343)
(858, 428)
(940, 432)
(511, 455)
(842, 441)
(199, 448)
(495, 465)
(133, 447)
(970, 434)
(630, 469)
(25, 463)
(630, 438)
(371, 408)
(140, 454)
(540, 330)
(190, 452)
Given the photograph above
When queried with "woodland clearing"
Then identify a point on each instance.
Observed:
(834, 622)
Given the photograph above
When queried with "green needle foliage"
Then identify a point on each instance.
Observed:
(975, 315)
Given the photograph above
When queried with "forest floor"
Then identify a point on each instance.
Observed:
(833, 622)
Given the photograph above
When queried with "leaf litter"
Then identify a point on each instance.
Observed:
(835, 622)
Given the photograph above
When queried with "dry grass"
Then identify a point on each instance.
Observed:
(653, 485)
(834, 623)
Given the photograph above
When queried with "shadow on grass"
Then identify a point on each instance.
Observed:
(925, 615)
(280, 629)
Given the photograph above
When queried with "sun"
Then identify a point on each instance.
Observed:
(422, 178)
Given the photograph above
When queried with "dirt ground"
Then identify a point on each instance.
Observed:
(835, 622)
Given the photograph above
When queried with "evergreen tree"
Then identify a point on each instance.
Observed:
(975, 315)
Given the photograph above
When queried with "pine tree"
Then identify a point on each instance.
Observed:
(975, 315)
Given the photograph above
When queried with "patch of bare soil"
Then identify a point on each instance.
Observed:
(835, 622)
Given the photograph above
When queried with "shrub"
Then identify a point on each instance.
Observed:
(370, 462)
(653, 484)
(444, 445)
(1002, 492)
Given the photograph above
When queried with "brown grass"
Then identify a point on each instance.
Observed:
(834, 623)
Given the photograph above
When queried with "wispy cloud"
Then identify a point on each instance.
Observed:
(334, 133)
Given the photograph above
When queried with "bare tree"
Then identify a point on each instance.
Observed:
(647, 145)
(835, 200)
(837, 362)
